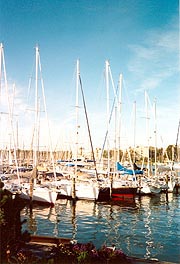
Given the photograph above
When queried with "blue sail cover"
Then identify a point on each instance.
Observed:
(127, 171)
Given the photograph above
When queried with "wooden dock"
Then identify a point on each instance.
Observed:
(40, 245)
(47, 240)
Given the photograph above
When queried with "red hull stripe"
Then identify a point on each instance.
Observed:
(123, 194)
(123, 198)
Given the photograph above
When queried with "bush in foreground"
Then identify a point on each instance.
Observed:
(74, 254)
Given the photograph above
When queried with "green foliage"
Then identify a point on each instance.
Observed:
(10, 225)
(88, 254)
(169, 151)
(14, 250)
(2, 221)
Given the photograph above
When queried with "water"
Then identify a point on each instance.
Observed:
(148, 227)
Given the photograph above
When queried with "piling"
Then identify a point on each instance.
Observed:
(74, 188)
(176, 187)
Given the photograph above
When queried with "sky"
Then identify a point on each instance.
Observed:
(138, 38)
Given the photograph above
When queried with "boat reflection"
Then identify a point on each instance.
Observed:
(135, 226)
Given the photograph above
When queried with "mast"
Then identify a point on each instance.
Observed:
(36, 108)
(77, 129)
(77, 109)
(47, 119)
(108, 112)
(155, 137)
(147, 130)
(84, 104)
(10, 109)
(114, 108)
(35, 134)
(120, 111)
(134, 131)
(176, 148)
(115, 140)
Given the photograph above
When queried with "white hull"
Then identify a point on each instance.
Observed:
(176, 166)
(64, 188)
(145, 189)
(171, 185)
(86, 190)
(155, 189)
(83, 189)
(150, 188)
(40, 194)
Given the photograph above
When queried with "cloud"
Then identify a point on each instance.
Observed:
(156, 58)
(154, 66)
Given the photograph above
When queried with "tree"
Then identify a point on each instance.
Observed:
(169, 151)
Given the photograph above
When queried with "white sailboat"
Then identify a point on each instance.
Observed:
(155, 185)
(150, 185)
(38, 193)
(119, 188)
(33, 191)
(73, 186)
(85, 188)
(7, 157)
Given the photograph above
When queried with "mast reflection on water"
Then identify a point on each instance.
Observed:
(146, 227)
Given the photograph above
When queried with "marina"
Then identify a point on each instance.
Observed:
(89, 135)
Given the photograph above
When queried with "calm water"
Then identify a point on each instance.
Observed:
(148, 227)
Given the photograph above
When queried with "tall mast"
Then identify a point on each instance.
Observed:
(147, 128)
(47, 119)
(77, 108)
(88, 127)
(114, 108)
(108, 112)
(120, 112)
(134, 131)
(36, 108)
(77, 129)
(155, 136)
(10, 112)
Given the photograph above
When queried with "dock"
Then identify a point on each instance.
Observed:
(41, 246)
(47, 240)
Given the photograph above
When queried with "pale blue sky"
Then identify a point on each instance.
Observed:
(140, 38)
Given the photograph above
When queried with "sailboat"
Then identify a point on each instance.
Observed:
(7, 157)
(38, 193)
(121, 187)
(33, 191)
(83, 188)
(76, 186)
(151, 184)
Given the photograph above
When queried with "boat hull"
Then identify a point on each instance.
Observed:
(104, 194)
(64, 189)
(41, 195)
(87, 191)
(123, 192)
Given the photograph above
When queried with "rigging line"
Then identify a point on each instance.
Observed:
(84, 104)
(30, 84)
(46, 114)
(10, 114)
(109, 123)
